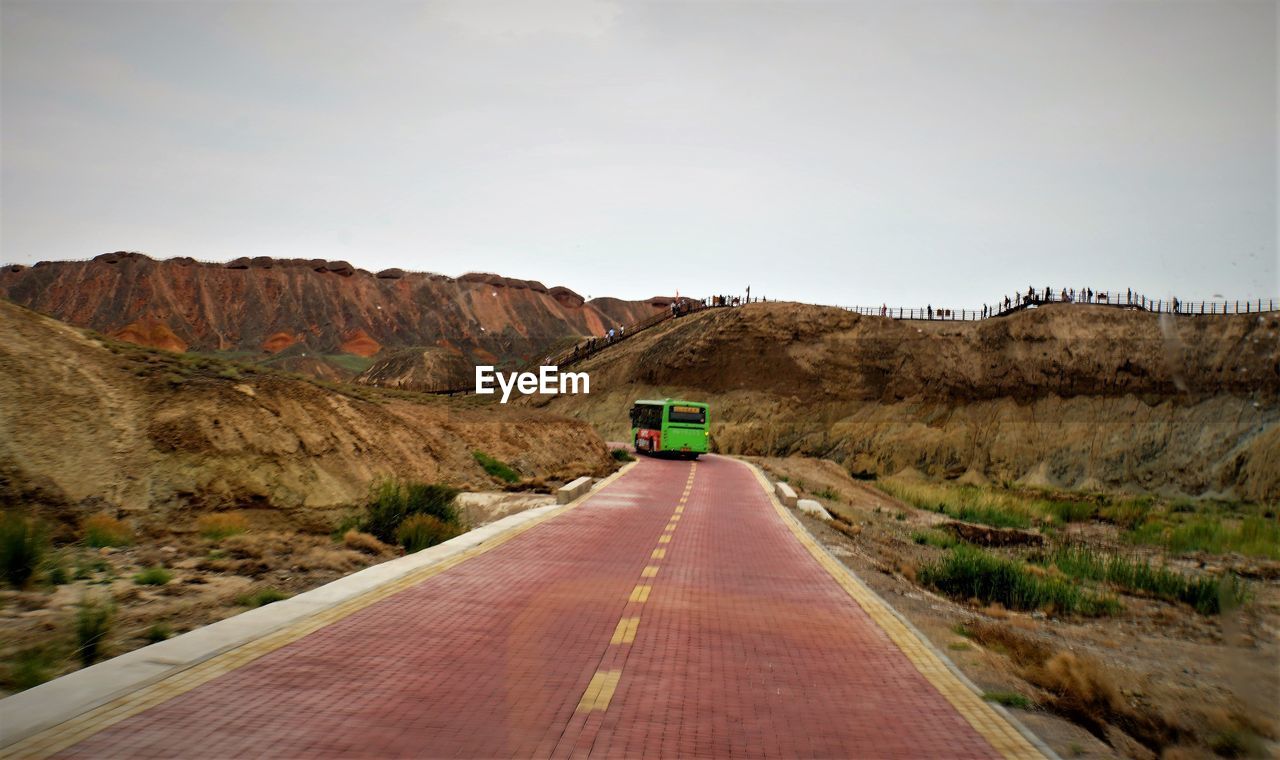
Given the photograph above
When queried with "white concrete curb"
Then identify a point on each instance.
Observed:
(61, 699)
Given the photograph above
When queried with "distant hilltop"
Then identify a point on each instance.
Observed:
(325, 317)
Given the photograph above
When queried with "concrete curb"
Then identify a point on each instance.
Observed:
(959, 675)
(50, 704)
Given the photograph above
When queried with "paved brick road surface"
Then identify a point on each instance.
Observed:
(671, 614)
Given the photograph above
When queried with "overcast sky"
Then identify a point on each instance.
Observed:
(841, 153)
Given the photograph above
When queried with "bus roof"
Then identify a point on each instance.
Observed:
(669, 401)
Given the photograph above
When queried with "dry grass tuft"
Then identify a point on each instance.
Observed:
(104, 530)
(221, 525)
(363, 542)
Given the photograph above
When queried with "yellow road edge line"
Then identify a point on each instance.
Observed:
(70, 732)
(994, 726)
(600, 691)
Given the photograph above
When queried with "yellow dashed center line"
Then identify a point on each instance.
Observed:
(665, 538)
(625, 633)
(640, 594)
(659, 553)
(600, 691)
(649, 572)
(675, 517)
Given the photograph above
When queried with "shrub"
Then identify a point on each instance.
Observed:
(221, 525)
(969, 573)
(23, 545)
(392, 501)
(417, 532)
(827, 493)
(158, 632)
(31, 667)
(153, 576)
(104, 530)
(93, 622)
(261, 597)
(495, 468)
(621, 455)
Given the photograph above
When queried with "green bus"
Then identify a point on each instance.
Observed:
(669, 425)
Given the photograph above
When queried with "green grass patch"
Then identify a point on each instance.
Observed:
(965, 502)
(1008, 699)
(153, 576)
(1251, 535)
(969, 573)
(349, 362)
(621, 455)
(1208, 595)
(495, 468)
(23, 546)
(261, 597)
(935, 538)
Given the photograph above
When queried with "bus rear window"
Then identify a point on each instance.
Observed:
(690, 414)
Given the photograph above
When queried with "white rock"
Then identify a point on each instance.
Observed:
(811, 507)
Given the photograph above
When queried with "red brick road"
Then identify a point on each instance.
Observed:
(586, 634)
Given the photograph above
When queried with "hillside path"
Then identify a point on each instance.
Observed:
(676, 611)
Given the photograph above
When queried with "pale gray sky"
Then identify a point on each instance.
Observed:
(847, 153)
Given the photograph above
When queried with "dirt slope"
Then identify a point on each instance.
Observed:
(86, 426)
(1070, 396)
(263, 306)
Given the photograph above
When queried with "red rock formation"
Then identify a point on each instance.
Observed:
(150, 332)
(326, 306)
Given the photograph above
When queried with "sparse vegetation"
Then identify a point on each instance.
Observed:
(828, 493)
(1008, 699)
(970, 573)
(104, 530)
(261, 597)
(420, 531)
(157, 633)
(153, 576)
(392, 501)
(496, 468)
(23, 545)
(621, 455)
(93, 622)
(221, 525)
